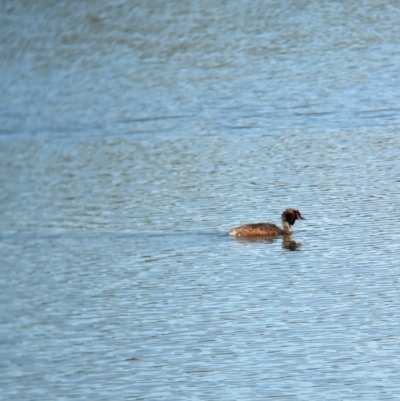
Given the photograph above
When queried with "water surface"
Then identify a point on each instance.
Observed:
(135, 136)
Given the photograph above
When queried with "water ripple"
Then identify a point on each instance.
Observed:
(134, 137)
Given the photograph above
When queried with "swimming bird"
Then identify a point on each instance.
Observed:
(288, 218)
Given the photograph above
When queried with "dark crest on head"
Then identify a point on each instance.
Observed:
(291, 215)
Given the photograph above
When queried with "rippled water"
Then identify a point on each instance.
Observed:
(134, 135)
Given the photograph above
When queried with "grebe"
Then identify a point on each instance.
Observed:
(288, 217)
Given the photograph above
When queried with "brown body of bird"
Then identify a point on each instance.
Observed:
(288, 218)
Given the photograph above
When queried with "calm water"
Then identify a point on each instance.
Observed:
(134, 135)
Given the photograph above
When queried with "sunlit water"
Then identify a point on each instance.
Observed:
(134, 136)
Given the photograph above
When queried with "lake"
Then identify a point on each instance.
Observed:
(135, 135)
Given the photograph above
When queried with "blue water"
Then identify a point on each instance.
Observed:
(134, 136)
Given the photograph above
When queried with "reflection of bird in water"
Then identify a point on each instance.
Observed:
(287, 241)
(289, 244)
(288, 218)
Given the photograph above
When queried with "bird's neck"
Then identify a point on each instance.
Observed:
(286, 226)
